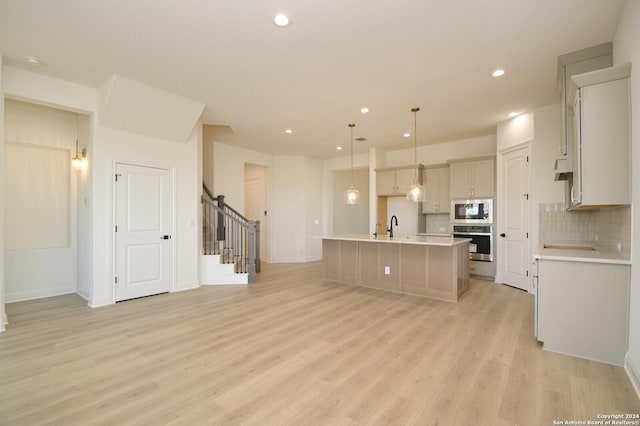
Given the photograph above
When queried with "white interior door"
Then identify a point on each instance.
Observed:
(143, 231)
(515, 253)
(255, 208)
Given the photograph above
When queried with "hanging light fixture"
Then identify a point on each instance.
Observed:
(352, 195)
(78, 160)
(416, 191)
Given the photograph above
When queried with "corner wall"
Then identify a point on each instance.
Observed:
(3, 316)
(626, 48)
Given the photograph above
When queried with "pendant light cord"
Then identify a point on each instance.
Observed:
(415, 141)
(352, 125)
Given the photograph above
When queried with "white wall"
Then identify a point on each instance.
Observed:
(352, 219)
(516, 131)
(84, 212)
(440, 153)
(541, 129)
(228, 171)
(108, 147)
(296, 206)
(3, 316)
(313, 210)
(626, 48)
(46, 263)
(547, 130)
(295, 203)
(113, 146)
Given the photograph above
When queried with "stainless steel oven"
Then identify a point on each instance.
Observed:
(472, 211)
(481, 245)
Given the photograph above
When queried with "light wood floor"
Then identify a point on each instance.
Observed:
(292, 349)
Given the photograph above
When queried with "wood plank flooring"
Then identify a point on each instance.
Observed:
(294, 350)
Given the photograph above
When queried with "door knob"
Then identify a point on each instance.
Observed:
(165, 237)
(503, 235)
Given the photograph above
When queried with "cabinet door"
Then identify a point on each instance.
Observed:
(443, 190)
(385, 183)
(432, 186)
(404, 179)
(437, 187)
(575, 192)
(460, 180)
(583, 309)
(604, 143)
(482, 179)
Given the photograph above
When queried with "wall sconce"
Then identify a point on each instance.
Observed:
(78, 160)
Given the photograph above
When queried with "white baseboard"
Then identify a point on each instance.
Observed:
(186, 286)
(99, 303)
(21, 296)
(83, 295)
(296, 259)
(633, 373)
(225, 279)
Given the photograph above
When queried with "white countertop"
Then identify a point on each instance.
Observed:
(447, 241)
(600, 254)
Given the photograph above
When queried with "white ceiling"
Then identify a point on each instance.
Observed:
(314, 76)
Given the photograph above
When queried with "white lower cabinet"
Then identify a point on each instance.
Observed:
(582, 309)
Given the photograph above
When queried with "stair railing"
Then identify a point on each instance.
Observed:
(232, 236)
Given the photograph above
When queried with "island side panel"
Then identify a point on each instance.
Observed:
(369, 265)
(443, 281)
(331, 260)
(340, 261)
(389, 255)
(462, 262)
(415, 269)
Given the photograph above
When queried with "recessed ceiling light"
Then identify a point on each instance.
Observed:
(281, 20)
(498, 73)
(33, 60)
(288, 131)
(406, 135)
(512, 114)
(364, 110)
(339, 148)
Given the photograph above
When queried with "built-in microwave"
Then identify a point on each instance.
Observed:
(472, 211)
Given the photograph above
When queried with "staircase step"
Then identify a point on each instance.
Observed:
(212, 272)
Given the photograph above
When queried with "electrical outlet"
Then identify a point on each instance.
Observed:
(387, 270)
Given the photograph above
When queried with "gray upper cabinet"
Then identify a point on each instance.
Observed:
(393, 182)
(601, 147)
(473, 179)
(437, 186)
(570, 64)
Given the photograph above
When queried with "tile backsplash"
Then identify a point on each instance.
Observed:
(610, 227)
(438, 223)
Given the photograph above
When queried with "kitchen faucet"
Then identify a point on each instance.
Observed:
(375, 234)
(390, 229)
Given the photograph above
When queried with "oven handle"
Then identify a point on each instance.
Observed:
(473, 233)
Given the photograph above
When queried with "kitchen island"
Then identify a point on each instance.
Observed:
(434, 267)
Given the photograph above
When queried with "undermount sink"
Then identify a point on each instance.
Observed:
(569, 247)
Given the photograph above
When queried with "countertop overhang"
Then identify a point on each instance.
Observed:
(446, 241)
(599, 254)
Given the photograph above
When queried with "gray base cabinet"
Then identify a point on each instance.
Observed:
(582, 309)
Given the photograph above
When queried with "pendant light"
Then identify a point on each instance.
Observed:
(352, 195)
(416, 191)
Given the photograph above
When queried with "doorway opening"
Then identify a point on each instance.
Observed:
(47, 202)
(256, 196)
